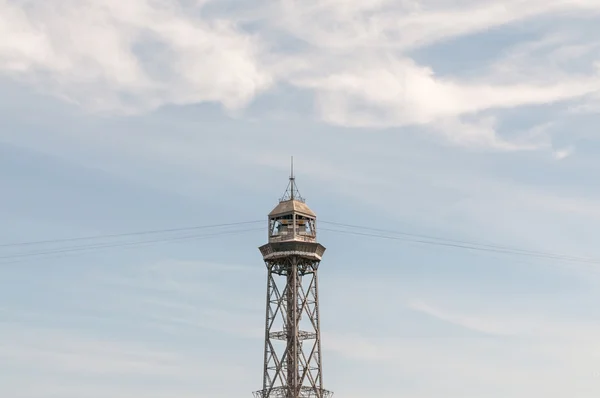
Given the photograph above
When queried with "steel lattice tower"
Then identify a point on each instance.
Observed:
(292, 361)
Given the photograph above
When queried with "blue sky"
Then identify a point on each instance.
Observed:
(466, 120)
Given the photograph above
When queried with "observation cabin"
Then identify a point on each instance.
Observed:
(292, 219)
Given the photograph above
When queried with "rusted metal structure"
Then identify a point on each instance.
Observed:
(292, 361)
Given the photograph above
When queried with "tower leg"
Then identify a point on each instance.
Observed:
(295, 371)
(292, 329)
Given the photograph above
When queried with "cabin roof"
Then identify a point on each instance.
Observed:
(292, 206)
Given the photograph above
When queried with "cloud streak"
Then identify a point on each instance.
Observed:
(513, 354)
(66, 363)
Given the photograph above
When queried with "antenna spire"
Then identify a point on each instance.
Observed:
(292, 193)
(292, 178)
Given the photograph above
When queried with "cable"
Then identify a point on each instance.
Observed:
(475, 247)
(39, 242)
(384, 234)
(113, 245)
(440, 239)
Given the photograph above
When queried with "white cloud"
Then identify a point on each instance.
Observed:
(480, 132)
(405, 93)
(406, 24)
(141, 54)
(128, 55)
(387, 89)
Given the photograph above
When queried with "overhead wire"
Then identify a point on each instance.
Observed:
(126, 234)
(435, 238)
(92, 247)
(483, 248)
(376, 233)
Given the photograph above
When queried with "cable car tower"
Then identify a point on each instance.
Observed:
(292, 361)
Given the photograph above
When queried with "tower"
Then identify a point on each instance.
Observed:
(292, 361)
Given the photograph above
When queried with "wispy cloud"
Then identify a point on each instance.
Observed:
(134, 327)
(128, 56)
(61, 358)
(477, 324)
(522, 325)
(185, 295)
(355, 59)
(409, 24)
(48, 348)
(522, 351)
(564, 153)
(436, 367)
(385, 87)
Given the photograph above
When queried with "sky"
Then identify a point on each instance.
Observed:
(466, 120)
